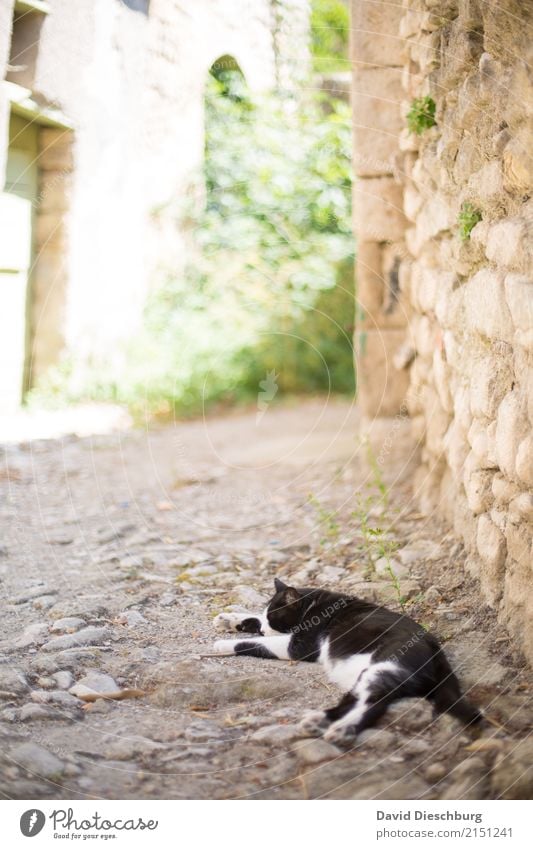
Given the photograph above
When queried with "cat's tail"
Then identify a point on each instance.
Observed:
(446, 696)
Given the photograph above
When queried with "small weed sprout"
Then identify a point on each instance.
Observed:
(327, 518)
(421, 115)
(377, 541)
(469, 216)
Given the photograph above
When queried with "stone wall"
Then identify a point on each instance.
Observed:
(468, 295)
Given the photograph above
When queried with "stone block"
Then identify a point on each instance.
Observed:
(483, 447)
(503, 490)
(375, 37)
(459, 52)
(437, 423)
(524, 461)
(492, 549)
(378, 210)
(521, 508)
(478, 491)
(519, 297)
(56, 149)
(377, 120)
(442, 376)
(509, 244)
(381, 389)
(518, 164)
(511, 428)
(456, 447)
(519, 543)
(517, 606)
(370, 285)
(492, 379)
(486, 309)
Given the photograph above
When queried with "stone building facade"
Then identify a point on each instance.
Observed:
(101, 128)
(445, 266)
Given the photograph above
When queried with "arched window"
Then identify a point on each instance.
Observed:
(231, 82)
(137, 5)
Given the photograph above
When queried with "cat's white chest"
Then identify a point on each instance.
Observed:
(344, 673)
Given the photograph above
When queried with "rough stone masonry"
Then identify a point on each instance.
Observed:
(445, 292)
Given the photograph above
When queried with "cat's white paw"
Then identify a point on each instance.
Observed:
(228, 621)
(313, 724)
(224, 646)
(339, 734)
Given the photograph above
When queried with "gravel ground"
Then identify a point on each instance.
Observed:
(116, 553)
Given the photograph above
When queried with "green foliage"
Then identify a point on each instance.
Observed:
(468, 217)
(330, 27)
(421, 115)
(270, 283)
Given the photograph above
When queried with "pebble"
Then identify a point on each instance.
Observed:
(13, 680)
(131, 562)
(434, 773)
(130, 747)
(59, 697)
(331, 574)
(512, 775)
(315, 751)
(116, 532)
(30, 594)
(167, 599)
(46, 683)
(37, 760)
(378, 738)
(63, 679)
(34, 634)
(249, 597)
(30, 712)
(432, 594)
(417, 746)
(384, 565)
(89, 636)
(68, 623)
(202, 733)
(94, 682)
(132, 618)
(44, 602)
(276, 734)
(411, 714)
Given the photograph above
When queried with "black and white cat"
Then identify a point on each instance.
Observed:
(374, 655)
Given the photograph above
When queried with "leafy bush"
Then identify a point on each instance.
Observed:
(330, 27)
(421, 115)
(269, 284)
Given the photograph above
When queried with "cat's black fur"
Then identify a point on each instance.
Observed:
(392, 657)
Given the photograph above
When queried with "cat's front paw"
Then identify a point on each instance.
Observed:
(339, 734)
(227, 621)
(224, 646)
(313, 724)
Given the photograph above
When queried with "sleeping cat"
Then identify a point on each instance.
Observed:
(374, 655)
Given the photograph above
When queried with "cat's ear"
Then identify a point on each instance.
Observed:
(292, 595)
(279, 585)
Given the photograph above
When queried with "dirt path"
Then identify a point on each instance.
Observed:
(117, 551)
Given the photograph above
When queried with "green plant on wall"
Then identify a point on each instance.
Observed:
(468, 217)
(421, 115)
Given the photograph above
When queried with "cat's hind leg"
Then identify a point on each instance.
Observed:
(374, 691)
(316, 722)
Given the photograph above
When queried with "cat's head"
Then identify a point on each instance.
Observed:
(284, 608)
